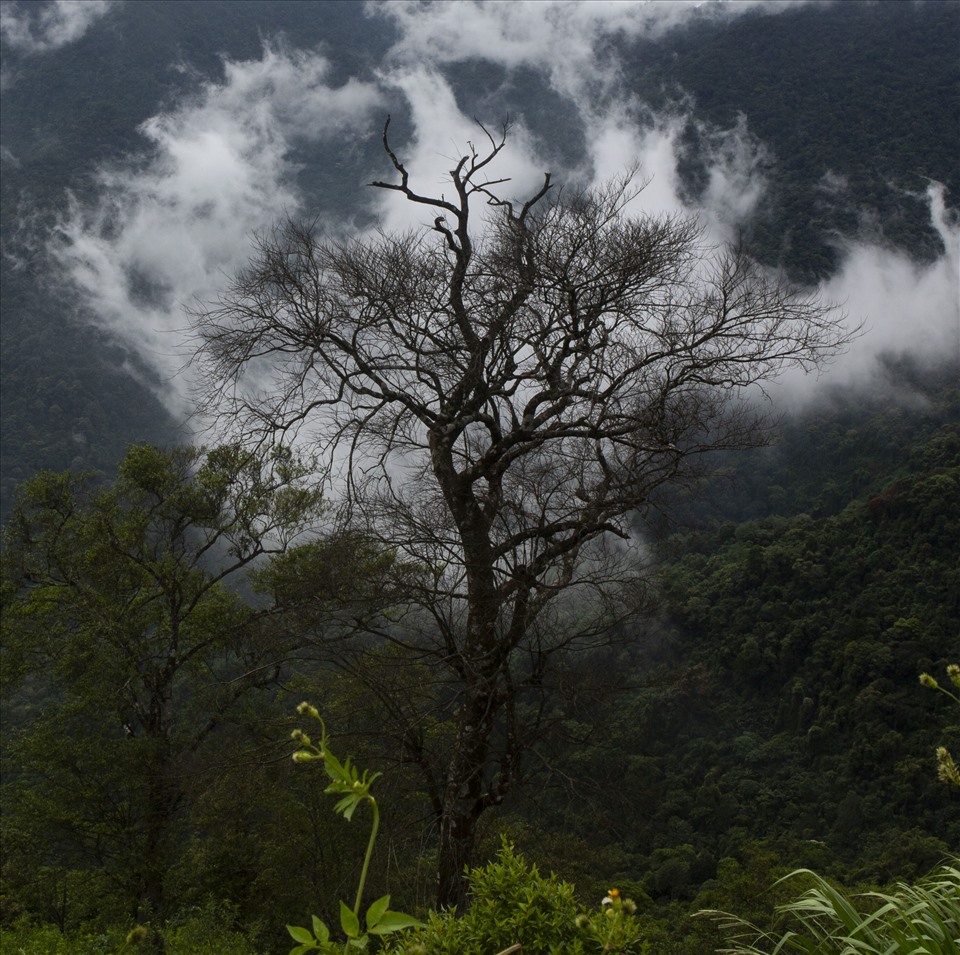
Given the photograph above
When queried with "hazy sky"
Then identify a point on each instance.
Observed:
(172, 223)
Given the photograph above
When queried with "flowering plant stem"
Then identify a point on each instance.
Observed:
(366, 859)
(353, 788)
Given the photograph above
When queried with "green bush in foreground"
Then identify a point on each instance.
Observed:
(22, 938)
(515, 909)
(921, 919)
(512, 906)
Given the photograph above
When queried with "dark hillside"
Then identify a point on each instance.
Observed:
(856, 105)
(778, 709)
(763, 713)
(859, 106)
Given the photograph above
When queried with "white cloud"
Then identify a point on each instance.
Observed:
(559, 36)
(442, 136)
(36, 28)
(736, 178)
(172, 226)
(905, 307)
(617, 142)
(564, 41)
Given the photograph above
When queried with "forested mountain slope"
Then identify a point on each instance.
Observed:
(776, 718)
(769, 716)
(858, 110)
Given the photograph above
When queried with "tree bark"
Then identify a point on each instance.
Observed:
(464, 798)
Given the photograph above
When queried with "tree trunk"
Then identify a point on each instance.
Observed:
(150, 901)
(480, 661)
(463, 801)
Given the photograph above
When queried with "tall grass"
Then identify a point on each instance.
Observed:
(921, 919)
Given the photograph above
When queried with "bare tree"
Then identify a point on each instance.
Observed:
(500, 396)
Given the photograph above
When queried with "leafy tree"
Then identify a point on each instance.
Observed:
(505, 397)
(129, 653)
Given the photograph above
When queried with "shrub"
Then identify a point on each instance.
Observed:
(203, 931)
(512, 904)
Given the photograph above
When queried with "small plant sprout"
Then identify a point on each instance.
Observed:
(353, 788)
(613, 929)
(947, 768)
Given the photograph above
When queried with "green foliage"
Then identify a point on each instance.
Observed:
(798, 641)
(24, 938)
(124, 656)
(353, 788)
(206, 930)
(923, 919)
(773, 720)
(514, 908)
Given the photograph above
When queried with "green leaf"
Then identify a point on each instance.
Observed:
(302, 949)
(299, 934)
(349, 921)
(348, 806)
(376, 911)
(394, 922)
(320, 931)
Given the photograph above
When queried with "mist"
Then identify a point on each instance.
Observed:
(169, 226)
(31, 29)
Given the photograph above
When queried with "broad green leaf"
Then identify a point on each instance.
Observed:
(376, 911)
(348, 806)
(302, 949)
(299, 934)
(394, 922)
(349, 921)
(320, 931)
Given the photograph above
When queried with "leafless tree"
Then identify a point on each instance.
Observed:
(498, 397)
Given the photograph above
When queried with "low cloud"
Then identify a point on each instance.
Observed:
(558, 36)
(568, 44)
(905, 308)
(173, 226)
(442, 134)
(36, 28)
